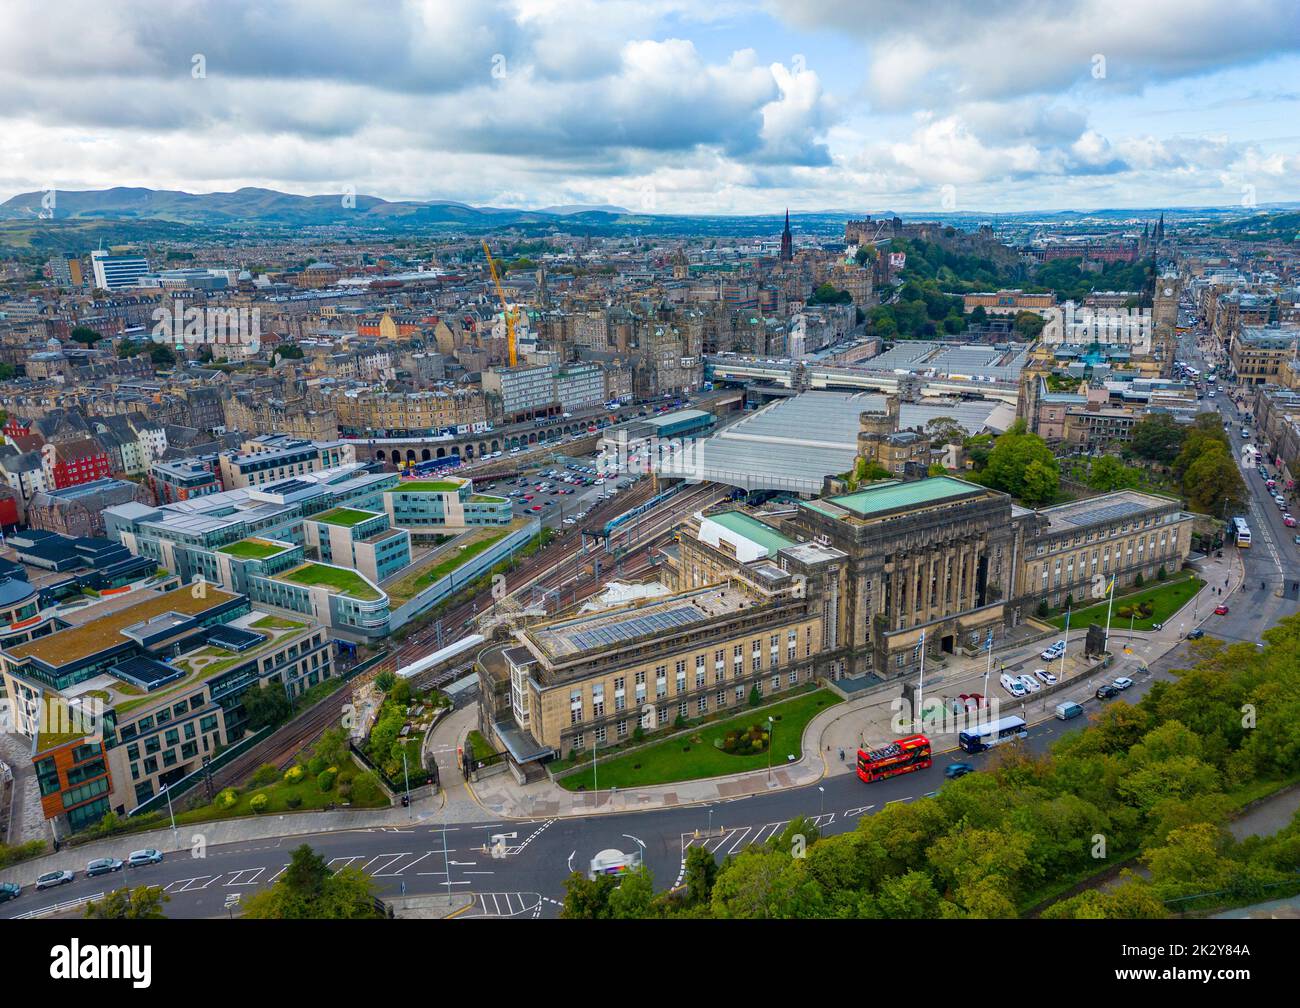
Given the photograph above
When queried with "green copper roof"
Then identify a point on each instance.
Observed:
(893, 496)
(753, 530)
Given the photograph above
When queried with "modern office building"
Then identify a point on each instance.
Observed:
(132, 699)
(256, 540)
(117, 272)
(448, 504)
(274, 457)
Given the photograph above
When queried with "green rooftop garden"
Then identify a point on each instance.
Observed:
(342, 580)
(251, 549)
(347, 517)
(427, 486)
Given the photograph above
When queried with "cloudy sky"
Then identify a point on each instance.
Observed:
(691, 106)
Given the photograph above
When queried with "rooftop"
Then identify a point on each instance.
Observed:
(598, 631)
(428, 486)
(342, 580)
(79, 642)
(752, 529)
(253, 549)
(1105, 508)
(896, 496)
(347, 517)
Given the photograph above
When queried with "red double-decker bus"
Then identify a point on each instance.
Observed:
(899, 757)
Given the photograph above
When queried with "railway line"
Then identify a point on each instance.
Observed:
(559, 564)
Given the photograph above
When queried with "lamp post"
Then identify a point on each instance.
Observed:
(167, 790)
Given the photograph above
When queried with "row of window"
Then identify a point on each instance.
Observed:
(658, 717)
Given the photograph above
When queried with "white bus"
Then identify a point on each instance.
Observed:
(1242, 531)
(986, 736)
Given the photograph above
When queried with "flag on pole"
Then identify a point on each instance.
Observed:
(988, 641)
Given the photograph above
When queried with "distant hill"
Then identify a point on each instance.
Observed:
(269, 207)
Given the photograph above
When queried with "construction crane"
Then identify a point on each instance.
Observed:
(507, 312)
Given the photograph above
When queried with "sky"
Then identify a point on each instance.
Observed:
(663, 106)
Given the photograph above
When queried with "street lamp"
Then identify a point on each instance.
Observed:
(821, 810)
(168, 792)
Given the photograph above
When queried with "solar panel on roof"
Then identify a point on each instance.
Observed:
(636, 627)
(1106, 513)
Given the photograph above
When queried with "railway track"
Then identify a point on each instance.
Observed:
(546, 568)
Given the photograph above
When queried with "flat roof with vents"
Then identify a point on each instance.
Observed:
(896, 496)
(1111, 507)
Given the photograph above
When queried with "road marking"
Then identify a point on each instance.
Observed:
(857, 812)
(191, 884)
(382, 870)
(237, 877)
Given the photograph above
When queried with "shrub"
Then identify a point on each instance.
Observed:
(228, 798)
(366, 789)
(1139, 581)
(294, 774)
(755, 697)
(1162, 574)
(293, 801)
(1042, 609)
(325, 779)
(259, 803)
(266, 774)
(316, 765)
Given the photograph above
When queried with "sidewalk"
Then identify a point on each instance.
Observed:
(846, 725)
(869, 721)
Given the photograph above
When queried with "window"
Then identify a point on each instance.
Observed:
(702, 705)
(622, 728)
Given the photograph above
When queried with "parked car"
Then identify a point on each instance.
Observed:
(1196, 634)
(9, 891)
(955, 770)
(102, 866)
(1031, 684)
(1121, 682)
(1045, 676)
(148, 855)
(1221, 610)
(55, 878)
(1106, 691)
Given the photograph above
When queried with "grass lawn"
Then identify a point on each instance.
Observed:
(338, 578)
(276, 623)
(251, 549)
(427, 486)
(682, 758)
(346, 517)
(1166, 599)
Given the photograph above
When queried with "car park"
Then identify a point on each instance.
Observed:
(103, 866)
(55, 878)
(1045, 676)
(147, 855)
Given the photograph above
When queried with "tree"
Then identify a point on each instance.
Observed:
(1158, 438)
(942, 430)
(266, 705)
(631, 898)
(1212, 483)
(161, 355)
(85, 335)
(1028, 324)
(701, 873)
(140, 903)
(307, 890)
(1109, 473)
(1022, 465)
(587, 899)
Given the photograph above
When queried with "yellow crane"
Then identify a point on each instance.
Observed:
(507, 312)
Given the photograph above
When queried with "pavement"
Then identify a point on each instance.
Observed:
(832, 738)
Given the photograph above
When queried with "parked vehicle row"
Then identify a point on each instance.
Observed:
(99, 866)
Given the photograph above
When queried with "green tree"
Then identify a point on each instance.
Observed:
(1028, 325)
(1158, 437)
(140, 903)
(1109, 473)
(1022, 465)
(308, 890)
(587, 899)
(85, 335)
(266, 705)
(1212, 483)
(632, 897)
(161, 355)
(701, 873)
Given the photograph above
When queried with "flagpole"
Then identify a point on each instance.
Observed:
(1110, 604)
(920, 689)
(988, 645)
(1066, 642)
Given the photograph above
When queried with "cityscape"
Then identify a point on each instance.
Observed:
(766, 462)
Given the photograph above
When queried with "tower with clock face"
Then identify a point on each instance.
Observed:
(1164, 319)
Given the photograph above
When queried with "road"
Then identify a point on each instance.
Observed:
(526, 880)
